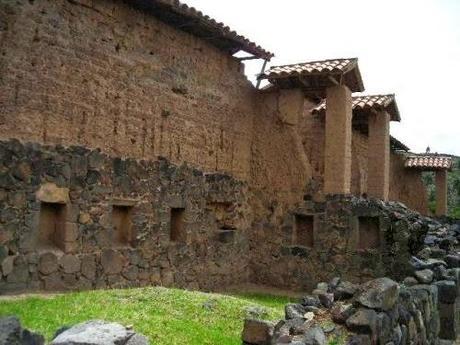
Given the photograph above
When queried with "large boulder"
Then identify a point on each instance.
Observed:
(11, 333)
(379, 294)
(99, 333)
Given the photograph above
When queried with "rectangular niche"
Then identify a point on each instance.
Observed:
(177, 228)
(52, 226)
(304, 230)
(123, 232)
(369, 233)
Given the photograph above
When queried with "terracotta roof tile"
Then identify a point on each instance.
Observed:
(187, 18)
(316, 76)
(429, 162)
(371, 102)
(314, 67)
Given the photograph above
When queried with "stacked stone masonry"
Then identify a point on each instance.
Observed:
(74, 218)
(76, 194)
(422, 309)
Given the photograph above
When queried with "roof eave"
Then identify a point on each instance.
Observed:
(188, 19)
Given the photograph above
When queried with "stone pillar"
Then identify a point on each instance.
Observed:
(379, 156)
(337, 154)
(441, 193)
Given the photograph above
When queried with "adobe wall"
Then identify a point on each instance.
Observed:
(103, 75)
(313, 131)
(211, 250)
(280, 168)
(359, 166)
(313, 135)
(406, 185)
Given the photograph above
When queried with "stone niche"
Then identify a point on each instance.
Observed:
(368, 233)
(304, 229)
(177, 225)
(55, 229)
(52, 226)
(123, 231)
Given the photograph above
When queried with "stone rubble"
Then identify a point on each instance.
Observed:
(423, 309)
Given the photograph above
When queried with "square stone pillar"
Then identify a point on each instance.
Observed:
(337, 154)
(378, 184)
(441, 193)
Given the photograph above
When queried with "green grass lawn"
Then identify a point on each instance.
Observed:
(165, 316)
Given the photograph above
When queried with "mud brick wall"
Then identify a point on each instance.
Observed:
(92, 189)
(312, 129)
(359, 163)
(355, 238)
(103, 75)
(313, 134)
(406, 185)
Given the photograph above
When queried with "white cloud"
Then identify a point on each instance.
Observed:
(410, 47)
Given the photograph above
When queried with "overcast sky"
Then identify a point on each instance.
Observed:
(407, 47)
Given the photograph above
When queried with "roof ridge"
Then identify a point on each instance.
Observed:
(376, 95)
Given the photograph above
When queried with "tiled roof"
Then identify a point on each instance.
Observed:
(314, 67)
(189, 19)
(371, 102)
(397, 145)
(429, 162)
(317, 75)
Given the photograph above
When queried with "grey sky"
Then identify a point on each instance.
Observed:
(407, 47)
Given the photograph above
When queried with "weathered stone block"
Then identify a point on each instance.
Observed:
(48, 263)
(112, 261)
(70, 264)
(363, 321)
(257, 332)
(380, 294)
(20, 274)
(50, 193)
(8, 264)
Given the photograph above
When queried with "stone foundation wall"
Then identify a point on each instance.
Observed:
(424, 308)
(72, 218)
(355, 238)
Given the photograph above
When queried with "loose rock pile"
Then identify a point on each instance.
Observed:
(88, 333)
(423, 309)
